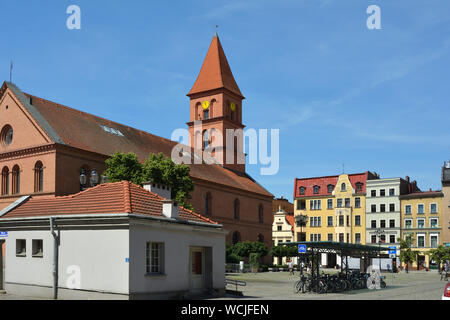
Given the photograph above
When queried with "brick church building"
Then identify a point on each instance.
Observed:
(44, 147)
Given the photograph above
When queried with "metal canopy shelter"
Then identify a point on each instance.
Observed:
(314, 249)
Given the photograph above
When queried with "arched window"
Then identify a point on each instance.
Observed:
(208, 204)
(205, 139)
(5, 181)
(206, 114)
(38, 177)
(316, 189)
(260, 238)
(236, 237)
(343, 187)
(236, 209)
(261, 214)
(302, 190)
(16, 179)
(330, 188)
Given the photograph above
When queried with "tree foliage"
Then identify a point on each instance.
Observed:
(406, 254)
(161, 169)
(245, 248)
(157, 168)
(124, 166)
(440, 254)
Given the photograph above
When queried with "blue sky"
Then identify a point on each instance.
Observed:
(339, 93)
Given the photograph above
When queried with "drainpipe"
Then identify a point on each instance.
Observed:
(55, 259)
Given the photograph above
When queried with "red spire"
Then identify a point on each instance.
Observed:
(216, 72)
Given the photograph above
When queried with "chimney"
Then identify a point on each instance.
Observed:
(170, 209)
(160, 189)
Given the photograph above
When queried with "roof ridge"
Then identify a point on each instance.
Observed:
(127, 196)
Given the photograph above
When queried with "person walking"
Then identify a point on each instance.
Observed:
(291, 267)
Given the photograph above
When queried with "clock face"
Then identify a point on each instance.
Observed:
(233, 106)
(205, 104)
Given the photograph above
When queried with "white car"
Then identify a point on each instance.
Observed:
(446, 295)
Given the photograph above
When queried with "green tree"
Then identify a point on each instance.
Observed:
(440, 254)
(278, 252)
(406, 254)
(121, 166)
(245, 248)
(161, 169)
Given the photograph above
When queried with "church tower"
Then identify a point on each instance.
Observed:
(216, 104)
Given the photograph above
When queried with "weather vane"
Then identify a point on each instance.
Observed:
(217, 28)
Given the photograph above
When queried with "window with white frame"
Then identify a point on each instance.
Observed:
(433, 208)
(155, 258)
(420, 223)
(21, 247)
(38, 248)
(408, 223)
(434, 223)
(330, 203)
(408, 209)
(434, 240)
(421, 240)
(420, 208)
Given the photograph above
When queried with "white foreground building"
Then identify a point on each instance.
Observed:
(113, 241)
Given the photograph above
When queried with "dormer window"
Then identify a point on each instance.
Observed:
(330, 188)
(302, 190)
(343, 187)
(359, 187)
(316, 189)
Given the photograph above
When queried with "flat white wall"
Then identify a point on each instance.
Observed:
(177, 241)
(99, 254)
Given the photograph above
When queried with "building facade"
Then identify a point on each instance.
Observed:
(446, 203)
(282, 230)
(150, 247)
(282, 203)
(383, 210)
(334, 207)
(422, 217)
(45, 146)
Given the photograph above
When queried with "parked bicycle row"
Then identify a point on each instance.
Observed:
(327, 283)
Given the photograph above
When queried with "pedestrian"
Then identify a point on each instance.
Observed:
(291, 267)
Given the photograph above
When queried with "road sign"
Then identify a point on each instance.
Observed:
(3, 234)
(392, 251)
(302, 248)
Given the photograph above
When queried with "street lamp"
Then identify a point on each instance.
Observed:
(83, 180)
(94, 178)
(301, 221)
(379, 232)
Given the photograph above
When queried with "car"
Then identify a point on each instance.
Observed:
(446, 295)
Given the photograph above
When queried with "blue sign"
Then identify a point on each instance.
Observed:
(392, 250)
(3, 234)
(127, 260)
(447, 244)
(302, 248)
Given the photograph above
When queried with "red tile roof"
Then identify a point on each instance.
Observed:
(109, 198)
(323, 183)
(215, 72)
(83, 131)
(290, 219)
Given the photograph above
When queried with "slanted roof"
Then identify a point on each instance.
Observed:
(84, 131)
(323, 182)
(215, 72)
(109, 198)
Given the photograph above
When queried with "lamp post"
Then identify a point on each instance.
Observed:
(379, 232)
(301, 221)
(94, 178)
(83, 180)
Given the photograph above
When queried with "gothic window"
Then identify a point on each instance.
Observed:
(5, 181)
(236, 209)
(38, 177)
(261, 214)
(16, 179)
